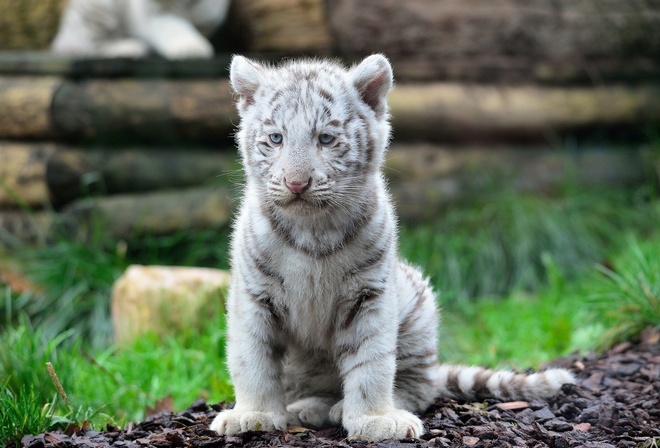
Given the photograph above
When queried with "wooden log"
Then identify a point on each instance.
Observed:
(459, 112)
(423, 37)
(425, 178)
(131, 215)
(492, 68)
(23, 177)
(76, 172)
(35, 174)
(45, 63)
(291, 26)
(25, 107)
(29, 24)
(174, 112)
(151, 110)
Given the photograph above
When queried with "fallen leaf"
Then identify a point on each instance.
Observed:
(165, 404)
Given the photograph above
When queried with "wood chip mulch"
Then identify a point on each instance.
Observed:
(616, 403)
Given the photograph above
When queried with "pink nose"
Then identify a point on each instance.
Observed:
(297, 187)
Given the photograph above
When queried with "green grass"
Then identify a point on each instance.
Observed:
(496, 247)
(627, 296)
(76, 277)
(518, 279)
(23, 412)
(601, 307)
(116, 385)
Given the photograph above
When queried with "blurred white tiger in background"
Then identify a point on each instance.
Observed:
(175, 29)
(326, 324)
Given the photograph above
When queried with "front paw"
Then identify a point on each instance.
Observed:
(396, 424)
(233, 421)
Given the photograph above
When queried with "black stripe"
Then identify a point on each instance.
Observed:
(423, 355)
(258, 262)
(363, 299)
(480, 387)
(327, 95)
(412, 376)
(366, 214)
(364, 363)
(452, 382)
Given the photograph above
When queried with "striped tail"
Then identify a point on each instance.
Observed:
(465, 382)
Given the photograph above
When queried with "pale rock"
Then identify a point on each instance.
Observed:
(165, 300)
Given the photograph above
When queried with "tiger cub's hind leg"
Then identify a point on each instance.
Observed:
(312, 389)
(417, 352)
(311, 412)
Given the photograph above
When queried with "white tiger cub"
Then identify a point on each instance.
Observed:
(326, 325)
(175, 29)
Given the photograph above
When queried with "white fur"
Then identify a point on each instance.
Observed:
(326, 324)
(131, 28)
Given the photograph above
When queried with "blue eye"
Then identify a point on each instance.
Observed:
(276, 138)
(326, 139)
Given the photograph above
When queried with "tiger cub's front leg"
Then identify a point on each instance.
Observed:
(366, 354)
(255, 364)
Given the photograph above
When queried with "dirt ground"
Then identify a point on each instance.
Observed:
(616, 403)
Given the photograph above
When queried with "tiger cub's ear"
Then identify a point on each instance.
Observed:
(245, 78)
(373, 79)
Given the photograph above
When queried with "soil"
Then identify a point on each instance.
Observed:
(616, 403)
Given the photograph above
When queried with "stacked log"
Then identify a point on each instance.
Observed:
(483, 40)
(490, 91)
(175, 112)
(504, 40)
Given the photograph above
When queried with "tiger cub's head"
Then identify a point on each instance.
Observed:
(312, 134)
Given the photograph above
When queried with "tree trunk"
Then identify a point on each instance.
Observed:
(424, 38)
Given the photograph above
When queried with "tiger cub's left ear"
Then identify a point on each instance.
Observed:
(373, 79)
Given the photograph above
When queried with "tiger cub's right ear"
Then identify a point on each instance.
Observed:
(245, 77)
